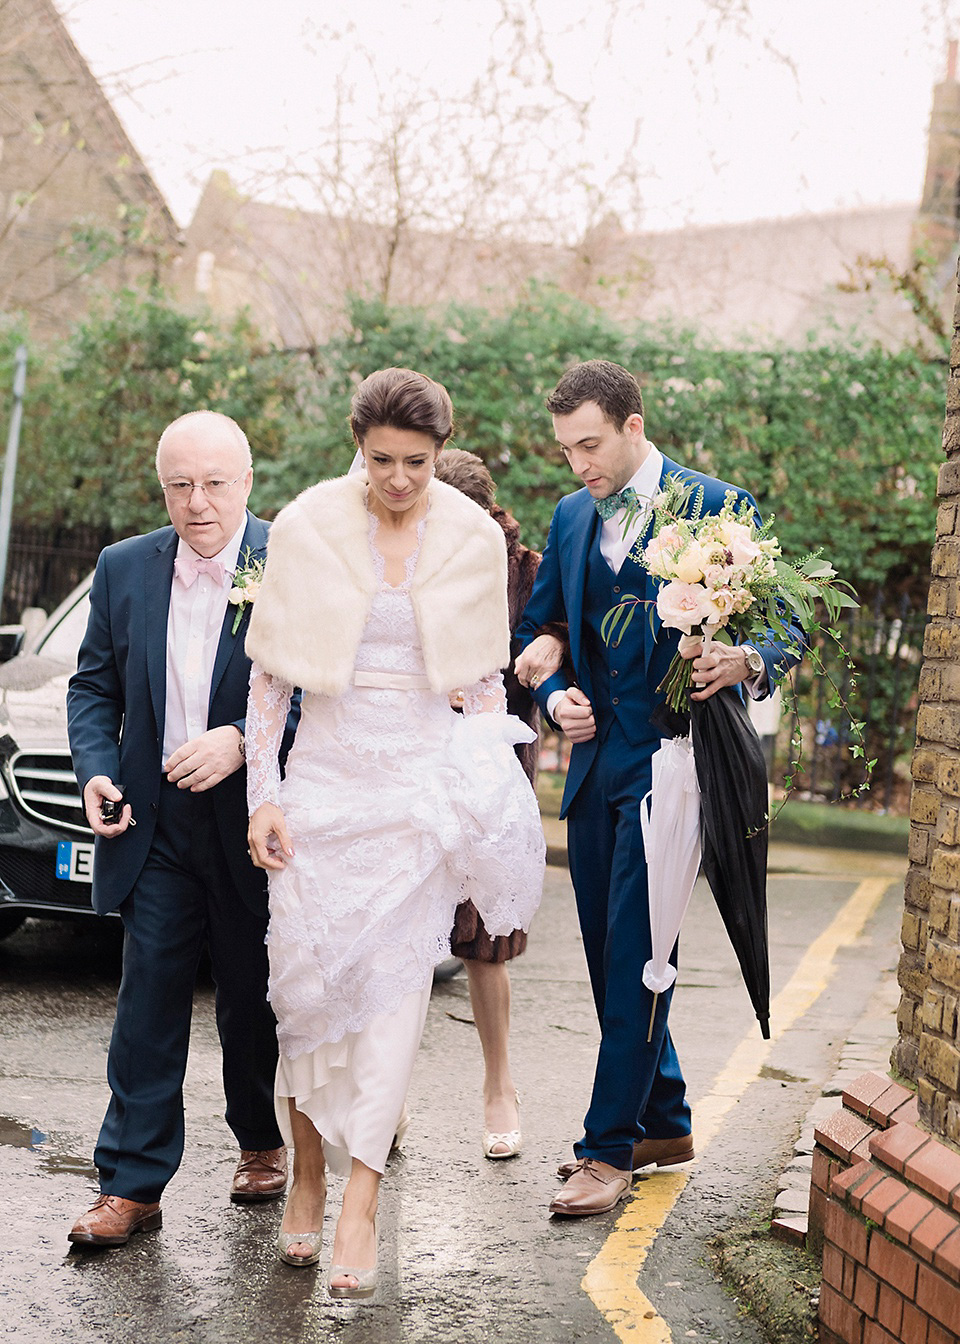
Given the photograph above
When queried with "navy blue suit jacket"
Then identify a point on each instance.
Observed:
(558, 593)
(116, 707)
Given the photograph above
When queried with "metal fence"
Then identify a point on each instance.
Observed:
(885, 642)
(44, 564)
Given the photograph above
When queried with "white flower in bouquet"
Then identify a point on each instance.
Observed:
(681, 606)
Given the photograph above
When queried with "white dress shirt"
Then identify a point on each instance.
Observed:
(194, 624)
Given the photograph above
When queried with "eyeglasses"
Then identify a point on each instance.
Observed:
(184, 489)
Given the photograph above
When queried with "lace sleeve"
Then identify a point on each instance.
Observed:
(267, 706)
(487, 696)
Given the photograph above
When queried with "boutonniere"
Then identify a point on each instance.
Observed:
(246, 585)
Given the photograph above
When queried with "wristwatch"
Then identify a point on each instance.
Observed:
(755, 663)
(242, 746)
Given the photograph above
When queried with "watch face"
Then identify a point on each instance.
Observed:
(754, 661)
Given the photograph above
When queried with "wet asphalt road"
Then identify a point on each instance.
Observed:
(467, 1250)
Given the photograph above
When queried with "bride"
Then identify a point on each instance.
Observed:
(383, 593)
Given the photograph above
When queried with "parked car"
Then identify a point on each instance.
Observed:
(46, 846)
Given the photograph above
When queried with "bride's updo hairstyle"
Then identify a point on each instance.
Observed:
(403, 399)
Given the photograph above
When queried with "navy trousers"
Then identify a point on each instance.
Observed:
(638, 1088)
(184, 899)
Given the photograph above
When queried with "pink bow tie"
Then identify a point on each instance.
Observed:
(188, 566)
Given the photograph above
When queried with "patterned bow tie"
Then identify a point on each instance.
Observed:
(188, 566)
(624, 499)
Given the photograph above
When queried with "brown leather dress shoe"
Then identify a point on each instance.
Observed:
(648, 1153)
(259, 1176)
(595, 1187)
(112, 1221)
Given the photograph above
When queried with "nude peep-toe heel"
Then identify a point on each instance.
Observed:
(366, 1278)
(512, 1141)
(287, 1239)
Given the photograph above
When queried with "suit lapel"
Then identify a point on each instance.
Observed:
(254, 538)
(652, 584)
(158, 576)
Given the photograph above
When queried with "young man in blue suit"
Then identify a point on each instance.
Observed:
(638, 1112)
(157, 706)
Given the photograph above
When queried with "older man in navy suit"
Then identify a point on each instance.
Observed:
(638, 1112)
(156, 715)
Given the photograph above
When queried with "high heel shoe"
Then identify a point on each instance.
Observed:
(511, 1142)
(287, 1239)
(366, 1278)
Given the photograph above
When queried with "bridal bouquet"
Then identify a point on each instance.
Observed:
(725, 572)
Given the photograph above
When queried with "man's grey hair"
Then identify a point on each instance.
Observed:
(231, 425)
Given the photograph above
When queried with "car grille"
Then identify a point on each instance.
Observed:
(45, 787)
(32, 879)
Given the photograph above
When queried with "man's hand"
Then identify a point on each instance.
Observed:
(268, 838)
(574, 714)
(205, 760)
(540, 659)
(722, 665)
(95, 791)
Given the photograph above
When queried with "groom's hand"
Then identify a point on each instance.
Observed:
(574, 714)
(722, 665)
(205, 760)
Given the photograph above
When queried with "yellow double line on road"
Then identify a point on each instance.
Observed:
(611, 1277)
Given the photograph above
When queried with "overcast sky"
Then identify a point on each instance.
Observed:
(796, 107)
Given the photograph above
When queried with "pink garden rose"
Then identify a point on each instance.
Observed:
(681, 606)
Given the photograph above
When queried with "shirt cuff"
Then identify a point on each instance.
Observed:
(553, 699)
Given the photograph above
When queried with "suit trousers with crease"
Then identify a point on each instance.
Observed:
(638, 1087)
(184, 899)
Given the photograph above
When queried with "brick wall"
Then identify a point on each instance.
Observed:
(885, 1208)
(928, 1050)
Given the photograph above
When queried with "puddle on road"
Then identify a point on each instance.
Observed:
(781, 1075)
(14, 1134)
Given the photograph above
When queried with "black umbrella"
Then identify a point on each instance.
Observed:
(732, 776)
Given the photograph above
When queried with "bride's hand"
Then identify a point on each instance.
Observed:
(267, 837)
(539, 660)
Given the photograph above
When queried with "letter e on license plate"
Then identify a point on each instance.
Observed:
(74, 861)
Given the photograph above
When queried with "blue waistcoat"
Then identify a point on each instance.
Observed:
(618, 677)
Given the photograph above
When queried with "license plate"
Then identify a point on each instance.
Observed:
(74, 861)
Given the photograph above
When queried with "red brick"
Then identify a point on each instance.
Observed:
(939, 1334)
(828, 1337)
(882, 1198)
(929, 1234)
(833, 1267)
(840, 1316)
(911, 1211)
(894, 1265)
(792, 1229)
(863, 1091)
(816, 1213)
(846, 1231)
(913, 1330)
(907, 1114)
(885, 1105)
(841, 1132)
(875, 1334)
(865, 1291)
(935, 1169)
(856, 1182)
(823, 1169)
(946, 1257)
(889, 1309)
(895, 1145)
(938, 1298)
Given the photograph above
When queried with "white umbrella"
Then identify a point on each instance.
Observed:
(670, 820)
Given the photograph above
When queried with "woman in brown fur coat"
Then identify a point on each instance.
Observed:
(485, 957)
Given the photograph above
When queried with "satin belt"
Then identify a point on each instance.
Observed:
(392, 681)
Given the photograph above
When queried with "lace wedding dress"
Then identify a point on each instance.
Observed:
(398, 809)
